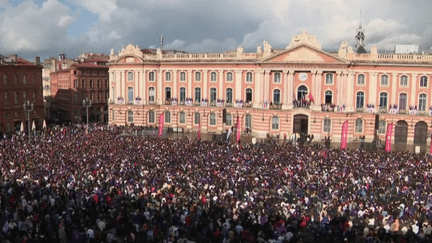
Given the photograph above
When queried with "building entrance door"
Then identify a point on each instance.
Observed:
(420, 133)
(301, 124)
(401, 132)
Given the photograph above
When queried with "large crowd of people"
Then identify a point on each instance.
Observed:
(110, 185)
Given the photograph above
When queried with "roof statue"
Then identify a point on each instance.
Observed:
(268, 50)
(343, 49)
(304, 38)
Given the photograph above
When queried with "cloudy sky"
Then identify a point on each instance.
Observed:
(48, 27)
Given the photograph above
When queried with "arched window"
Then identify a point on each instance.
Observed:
(167, 117)
(168, 93)
(248, 95)
(130, 116)
(276, 77)
(183, 76)
(197, 118)
(382, 127)
(151, 76)
(360, 99)
(328, 97)
(359, 125)
(197, 77)
(5, 79)
(213, 77)
(403, 102)
(229, 77)
(361, 79)
(228, 120)
(329, 78)
(301, 92)
(423, 81)
(182, 94)
(383, 100)
(248, 121)
(422, 102)
(197, 94)
(151, 117)
(168, 76)
(130, 94)
(212, 119)
(130, 76)
(384, 80)
(212, 95)
(275, 123)
(151, 94)
(404, 81)
(229, 96)
(249, 77)
(326, 125)
(182, 118)
(276, 96)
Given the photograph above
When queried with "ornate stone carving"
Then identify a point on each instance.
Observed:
(303, 55)
(304, 38)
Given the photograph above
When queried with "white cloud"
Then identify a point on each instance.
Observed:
(102, 8)
(113, 35)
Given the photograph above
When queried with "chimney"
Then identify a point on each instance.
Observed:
(15, 57)
(37, 61)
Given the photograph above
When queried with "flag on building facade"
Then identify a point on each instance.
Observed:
(161, 124)
(388, 137)
(344, 136)
(311, 98)
(238, 129)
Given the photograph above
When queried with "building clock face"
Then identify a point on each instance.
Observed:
(303, 76)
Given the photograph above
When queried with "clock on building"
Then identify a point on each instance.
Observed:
(303, 76)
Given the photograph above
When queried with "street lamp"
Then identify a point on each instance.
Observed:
(87, 103)
(28, 107)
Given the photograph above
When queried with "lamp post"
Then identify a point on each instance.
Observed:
(87, 103)
(28, 107)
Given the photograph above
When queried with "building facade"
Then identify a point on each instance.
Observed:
(87, 78)
(300, 89)
(21, 81)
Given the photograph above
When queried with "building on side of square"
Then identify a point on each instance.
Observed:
(301, 89)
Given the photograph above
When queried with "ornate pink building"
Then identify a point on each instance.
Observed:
(301, 89)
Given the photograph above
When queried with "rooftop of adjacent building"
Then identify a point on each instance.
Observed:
(17, 61)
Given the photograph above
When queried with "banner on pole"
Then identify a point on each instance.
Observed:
(161, 124)
(344, 136)
(388, 137)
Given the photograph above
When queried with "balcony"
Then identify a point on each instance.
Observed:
(275, 106)
(213, 104)
(197, 103)
(301, 104)
(229, 104)
(404, 112)
(152, 102)
(167, 102)
(247, 105)
(328, 107)
(182, 103)
(382, 110)
(360, 110)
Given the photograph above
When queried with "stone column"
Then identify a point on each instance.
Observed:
(290, 90)
(394, 84)
(373, 89)
(221, 82)
(413, 83)
(318, 99)
(315, 106)
(238, 85)
(350, 92)
(257, 102)
(338, 85)
(267, 86)
(174, 80)
(189, 84)
(144, 87)
(159, 98)
(285, 90)
(204, 93)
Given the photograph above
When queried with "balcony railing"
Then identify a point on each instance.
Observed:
(247, 105)
(276, 106)
(196, 103)
(360, 110)
(168, 102)
(229, 104)
(152, 102)
(181, 103)
(382, 110)
(213, 104)
(403, 112)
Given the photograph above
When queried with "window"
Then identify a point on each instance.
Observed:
(276, 77)
(76, 83)
(182, 94)
(197, 117)
(213, 77)
(130, 76)
(15, 98)
(106, 83)
(24, 79)
(249, 77)
(167, 117)
(24, 95)
(151, 76)
(326, 125)
(361, 79)
(383, 101)
(404, 81)
(422, 102)
(151, 94)
(359, 125)
(360, 100)
(15, 79)
(91, 83)
(5, 79)
(98, 83)
(276, 96)
(151, 116)
(183, 76)
(384, 80)
(275, 123)
(212, 119)
(130, 94)
(423, 81)
(228, 120)
(328, 97)
(168, 76)
(130, 117)
(248, 121)
(182, 118)
(301, 92)
(248, 95)
(329, 78)
(197, 77)
(212, 95)
(381, 127)
(229, 96)
(403, 101)
(197, 94)
(167, 93)
(83, 84)
(229, 77)
(6, 101)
